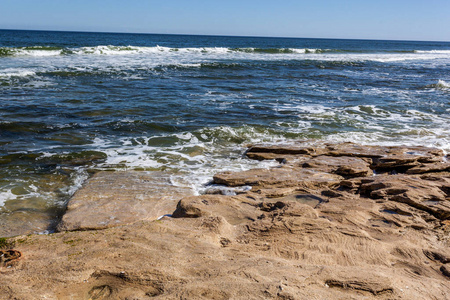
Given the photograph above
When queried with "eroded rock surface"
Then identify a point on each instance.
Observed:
(332, 222)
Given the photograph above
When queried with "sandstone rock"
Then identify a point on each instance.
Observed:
(116, 198)
(283, 176)
(213, 205)
(9, 257)
(281, 158)
(303, 198)
(374, 285)
(416, 192)
(356, 150)
(421, 154)
(374, 237)
(345, 166)
(288, 208)
(445, 270)
(401, 159)
(381, 158)
(437, 256)
(429, 168)
(388, 158)
(284, 149)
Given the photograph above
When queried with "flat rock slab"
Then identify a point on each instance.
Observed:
(344, 165)
(116, 198)
(429, 168)
(292, 149)
(380, 158)
(284, 176)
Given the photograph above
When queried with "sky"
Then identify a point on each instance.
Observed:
(427, 20)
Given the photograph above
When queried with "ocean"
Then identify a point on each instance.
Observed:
(72, 103)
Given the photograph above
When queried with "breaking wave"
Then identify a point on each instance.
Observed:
(433, 51)
(8, 73)
(31, 51)
(440, 85)
(123, 50)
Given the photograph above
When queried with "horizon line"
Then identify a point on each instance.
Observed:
(223, 35)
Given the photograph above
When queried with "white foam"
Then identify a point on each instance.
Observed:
(195, 156)
(6, 196)
(39, 52)
(433, 51)
(443, 85)
(221, 52)
(78, 178)
(8, 73)
(305, 50)
(303, 108)
(36, 52)
(126, 60)
(126, 50)
(113, 50)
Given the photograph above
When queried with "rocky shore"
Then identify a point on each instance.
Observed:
(331, 221)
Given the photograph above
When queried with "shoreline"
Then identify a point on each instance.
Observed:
(330, 221)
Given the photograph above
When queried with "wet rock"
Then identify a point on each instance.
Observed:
(75, 159)
(224, 190)
(116, 198)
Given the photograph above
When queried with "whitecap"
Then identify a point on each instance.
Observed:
(6, 196)
(8, 73)
(432, 51)
(442, 85)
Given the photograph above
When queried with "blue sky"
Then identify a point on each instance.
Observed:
(365, 19)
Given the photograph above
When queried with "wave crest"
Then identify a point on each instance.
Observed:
(442, 85)
(31, 51)
(432, 51)
(121, 50)
(124, 50)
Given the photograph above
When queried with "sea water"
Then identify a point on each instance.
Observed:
(72, 103)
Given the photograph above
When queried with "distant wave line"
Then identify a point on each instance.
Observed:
(121, 50)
